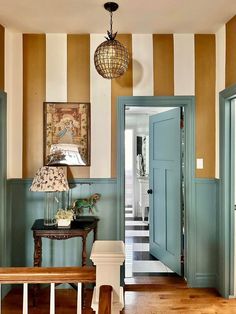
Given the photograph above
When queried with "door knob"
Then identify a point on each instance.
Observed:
(149, 191)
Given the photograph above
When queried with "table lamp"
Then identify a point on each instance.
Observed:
(49, 180)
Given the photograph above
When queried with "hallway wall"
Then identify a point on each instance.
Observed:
(174, 64)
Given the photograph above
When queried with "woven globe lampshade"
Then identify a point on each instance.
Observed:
(111, 58)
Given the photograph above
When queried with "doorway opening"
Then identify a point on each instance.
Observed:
(188, 103)
(144, 245)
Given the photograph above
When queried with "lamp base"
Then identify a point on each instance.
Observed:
(50, 209)
(49, 222)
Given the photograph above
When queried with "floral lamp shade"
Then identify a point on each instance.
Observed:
(49, 179)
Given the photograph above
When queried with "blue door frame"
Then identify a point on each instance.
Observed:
(227, 188)
(188, 102)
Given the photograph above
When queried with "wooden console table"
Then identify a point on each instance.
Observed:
(80, 227)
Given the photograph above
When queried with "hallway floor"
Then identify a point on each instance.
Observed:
(138, 259)
(154, 295)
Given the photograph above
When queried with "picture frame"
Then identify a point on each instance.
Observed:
(66, 133)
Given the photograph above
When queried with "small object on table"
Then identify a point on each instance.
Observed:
(82, 203)
(63, 223)
(64, 217)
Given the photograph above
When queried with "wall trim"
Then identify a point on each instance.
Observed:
(206, 180)
(203, 280)
(75, 181)
(207, 201)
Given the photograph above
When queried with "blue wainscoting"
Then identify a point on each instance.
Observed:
(206, 233)
(25, 206)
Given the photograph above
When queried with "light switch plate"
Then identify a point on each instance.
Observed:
(199, 163)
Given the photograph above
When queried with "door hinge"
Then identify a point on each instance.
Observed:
(182, 258)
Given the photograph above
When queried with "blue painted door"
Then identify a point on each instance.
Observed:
(165, 183)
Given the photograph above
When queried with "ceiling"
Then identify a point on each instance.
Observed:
(133, 16)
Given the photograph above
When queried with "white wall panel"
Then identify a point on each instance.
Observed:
(14, 90)
(142, 50)
(220, 82)
(56, 67)
(184, 74)
(100, 98)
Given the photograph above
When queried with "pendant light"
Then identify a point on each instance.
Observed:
(111, 58)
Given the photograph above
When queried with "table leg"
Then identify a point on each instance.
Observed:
(84, 254)
(37, 251)
(37, 263)
(95, 234)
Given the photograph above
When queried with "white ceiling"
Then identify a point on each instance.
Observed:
(133, 16)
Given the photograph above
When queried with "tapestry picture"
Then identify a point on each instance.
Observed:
(67, 134)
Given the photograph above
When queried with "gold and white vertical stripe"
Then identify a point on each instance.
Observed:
(14, 89)
(100, 97)
(220, 84)
(59, 67)
(56, 67)
(184, 64)
(142, 48)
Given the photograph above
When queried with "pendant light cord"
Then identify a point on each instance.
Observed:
(111, 22)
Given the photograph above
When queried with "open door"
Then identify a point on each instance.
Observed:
(165, 188)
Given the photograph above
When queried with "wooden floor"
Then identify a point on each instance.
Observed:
(65, 302)
(153, 295)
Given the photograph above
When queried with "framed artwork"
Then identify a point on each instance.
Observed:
(67, 133)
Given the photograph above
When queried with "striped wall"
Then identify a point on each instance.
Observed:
(230, 77)
(220, 84)
(122, 86)
(163, 65)
(34, 92)
(205, 103)
(100, 98)
(2, 56)
(77, 79)
(158, 67)
(59, 67)
(14, 89)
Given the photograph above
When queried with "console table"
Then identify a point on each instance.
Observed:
(80, 227)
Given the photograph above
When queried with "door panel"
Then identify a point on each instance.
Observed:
(165, 181)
